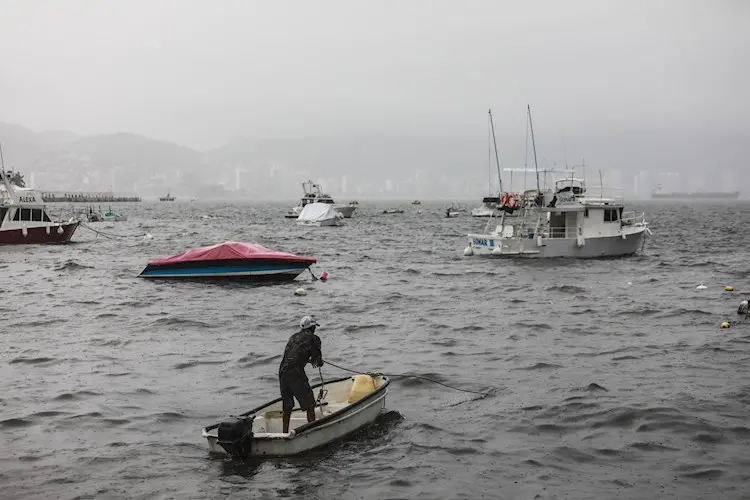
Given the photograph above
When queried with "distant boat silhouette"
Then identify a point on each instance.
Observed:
(169, 197)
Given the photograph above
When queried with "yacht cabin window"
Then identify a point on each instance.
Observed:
(3, 211)
(30, 214)
(610, 215)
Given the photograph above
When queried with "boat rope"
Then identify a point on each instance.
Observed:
(406, 375)
(111, 235)
(322, 393)
(315, 278)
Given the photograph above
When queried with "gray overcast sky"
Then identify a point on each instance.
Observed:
(201, 73)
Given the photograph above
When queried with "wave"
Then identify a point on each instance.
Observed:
(180, 322)
(71, 265)
(76, 396)
(540, 366)
(15, 423)
(569, 289)
(194, 363)
(33, 361)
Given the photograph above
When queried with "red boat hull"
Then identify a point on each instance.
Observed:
(38, 235)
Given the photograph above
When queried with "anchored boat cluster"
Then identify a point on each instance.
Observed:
(563, 220)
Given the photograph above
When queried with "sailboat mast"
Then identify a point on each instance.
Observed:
(533, 144)
(497, 159)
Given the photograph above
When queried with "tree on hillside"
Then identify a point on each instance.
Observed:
(16, 178)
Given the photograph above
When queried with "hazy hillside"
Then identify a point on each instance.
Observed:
(368, 162)
(451, 166)
(22, 146)
(61, 161)
(361, 165)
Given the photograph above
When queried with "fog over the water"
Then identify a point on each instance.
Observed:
(371, 91)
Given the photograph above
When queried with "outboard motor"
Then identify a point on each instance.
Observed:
(235, 436)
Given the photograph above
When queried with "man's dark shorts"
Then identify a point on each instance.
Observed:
(293, 386)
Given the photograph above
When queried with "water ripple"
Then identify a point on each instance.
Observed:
(607, 378)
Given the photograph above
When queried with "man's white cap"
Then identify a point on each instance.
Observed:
(307, 322)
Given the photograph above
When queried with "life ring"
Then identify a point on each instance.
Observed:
(504, 200)
(511, 200)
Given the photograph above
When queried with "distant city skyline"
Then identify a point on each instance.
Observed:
(286, 185)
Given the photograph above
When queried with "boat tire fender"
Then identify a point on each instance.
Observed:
(235, 436)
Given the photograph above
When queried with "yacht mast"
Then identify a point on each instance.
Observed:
(533, 143)
(489, 161)
(3, 177)
(497, 159)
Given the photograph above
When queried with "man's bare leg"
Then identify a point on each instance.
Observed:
(286, 416)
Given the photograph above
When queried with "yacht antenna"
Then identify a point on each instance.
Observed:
(533, 143)
(601, 185)
(497, 159)
(583, 166)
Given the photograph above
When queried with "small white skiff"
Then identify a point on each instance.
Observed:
(348, 404)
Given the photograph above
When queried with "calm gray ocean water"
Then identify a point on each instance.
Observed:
(611, 377)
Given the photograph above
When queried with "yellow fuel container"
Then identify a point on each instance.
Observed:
(361, 387)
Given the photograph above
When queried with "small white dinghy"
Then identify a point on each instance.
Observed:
(348, 404)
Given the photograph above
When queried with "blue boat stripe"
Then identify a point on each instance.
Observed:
(225, 270)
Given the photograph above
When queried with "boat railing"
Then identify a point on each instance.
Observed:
(527, 231)
(631, 218)
(591, 194)
(559, 232)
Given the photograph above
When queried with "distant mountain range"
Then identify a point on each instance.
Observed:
(260, 168)
(63, 161)
(348, 167)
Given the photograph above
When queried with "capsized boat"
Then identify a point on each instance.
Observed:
(230, 259)
(345, 405)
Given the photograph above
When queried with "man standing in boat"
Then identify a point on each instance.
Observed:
(302, 347)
